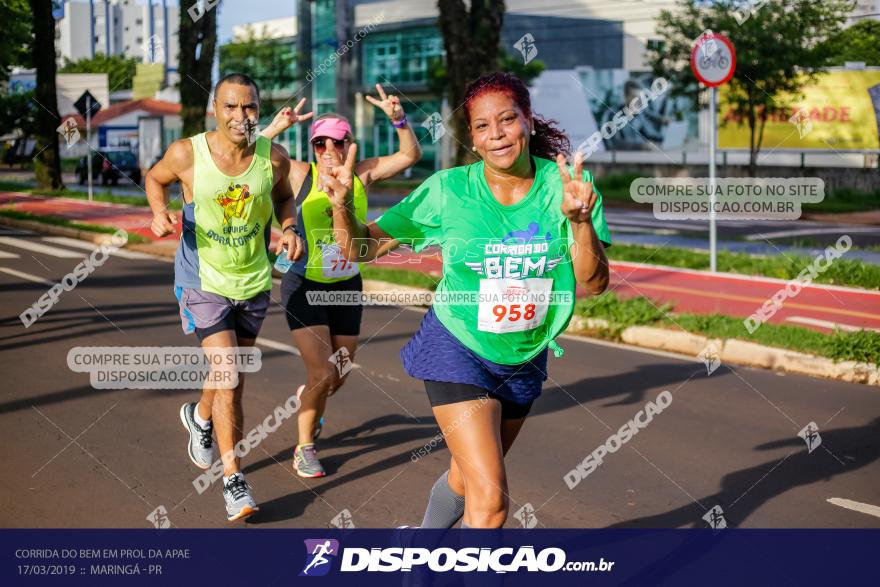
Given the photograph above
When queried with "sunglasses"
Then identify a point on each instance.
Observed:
(320, 144)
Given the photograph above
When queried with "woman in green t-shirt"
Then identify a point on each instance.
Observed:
(517, 233)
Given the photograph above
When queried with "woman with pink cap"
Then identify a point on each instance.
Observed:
(326, 335)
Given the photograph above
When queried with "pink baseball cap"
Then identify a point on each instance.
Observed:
(335, 128)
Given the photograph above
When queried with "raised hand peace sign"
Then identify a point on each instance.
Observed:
(390, 105)
(338, 181)
(578, 196)
(288, 116)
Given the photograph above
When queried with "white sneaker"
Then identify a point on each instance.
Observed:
(239, 501)
(201, 443)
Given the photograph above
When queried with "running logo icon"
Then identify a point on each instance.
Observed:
(715, 518)
(525, 236)
(526, 46)
(319, 556)
(810, 435)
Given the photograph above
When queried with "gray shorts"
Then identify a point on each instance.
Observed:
(206, 313)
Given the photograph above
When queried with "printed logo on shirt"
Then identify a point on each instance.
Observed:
(525, 236)
(233, 201)
(521, 254)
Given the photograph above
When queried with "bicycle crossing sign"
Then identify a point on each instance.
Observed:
(713, 59)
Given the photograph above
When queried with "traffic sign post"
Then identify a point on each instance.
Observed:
(713, 61)
(88, 105)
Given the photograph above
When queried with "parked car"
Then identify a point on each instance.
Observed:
(109, 165)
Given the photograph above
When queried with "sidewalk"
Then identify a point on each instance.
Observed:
(820, 307)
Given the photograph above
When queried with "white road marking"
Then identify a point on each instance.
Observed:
(807, 231)
(5, 255)
(39, 248)
(72, 242)
(648, 224)
(27, 276)
(864, 508)
(828, 324)
(654, 231)
(287, 348)
(278, 346)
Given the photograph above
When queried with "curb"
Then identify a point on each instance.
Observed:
(737, 352)
(98, 238)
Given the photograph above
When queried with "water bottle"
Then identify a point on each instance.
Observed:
(282, 263)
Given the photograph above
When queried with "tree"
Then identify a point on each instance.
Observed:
(270, 62)
(527, 72)
(779, 49)
(19, 112)
(438, 77)
(47, 163)
(119, 69)
(471, 37)
(197, 35)
(860, 42)
(17, 34)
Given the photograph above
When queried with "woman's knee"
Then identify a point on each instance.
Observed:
(321, 379)
(486, 498)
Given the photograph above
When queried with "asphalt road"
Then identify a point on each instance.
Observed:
(84, 457)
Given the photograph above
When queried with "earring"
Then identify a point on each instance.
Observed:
(474, 148)
(533, 132)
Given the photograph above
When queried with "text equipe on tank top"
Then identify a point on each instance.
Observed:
(237, 241)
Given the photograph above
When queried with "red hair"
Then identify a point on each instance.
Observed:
(548, 139)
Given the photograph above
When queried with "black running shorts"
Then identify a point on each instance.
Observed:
(344, 320)
(441, 393)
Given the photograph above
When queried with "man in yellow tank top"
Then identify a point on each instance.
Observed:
(231, 181)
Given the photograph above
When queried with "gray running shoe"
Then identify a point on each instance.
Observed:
(239, 501)
(201, 445)
(305, 461)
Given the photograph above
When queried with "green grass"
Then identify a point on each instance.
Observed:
(55, 221)
(400, 276)
(105, 196)
(843, 271)
(615, 189)
(620, 313)
(845, 200)
(863, 346)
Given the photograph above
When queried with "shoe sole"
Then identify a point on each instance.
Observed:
(306, 475)
(245, 512)
(189, 444)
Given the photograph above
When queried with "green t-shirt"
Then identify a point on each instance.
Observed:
(508, 285)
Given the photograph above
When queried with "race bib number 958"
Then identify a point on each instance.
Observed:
(513, 305)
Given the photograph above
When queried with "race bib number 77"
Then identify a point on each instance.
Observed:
(513, 305)
(334, 263)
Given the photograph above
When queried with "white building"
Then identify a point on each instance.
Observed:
(638, 19)
(275, 28)
(865, 9)
(119, 27)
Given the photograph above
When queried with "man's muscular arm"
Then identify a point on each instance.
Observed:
(177, 161)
